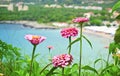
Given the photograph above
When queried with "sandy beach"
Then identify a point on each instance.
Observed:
(101, 34)
(103, 31)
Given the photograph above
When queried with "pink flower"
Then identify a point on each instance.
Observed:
(50, 47)
(68, 32)
(62, 60)
(80, 20)
(35, 39)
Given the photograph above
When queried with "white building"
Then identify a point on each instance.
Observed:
(10, 7)
(88, 14)
(22, 7)
(25, 8)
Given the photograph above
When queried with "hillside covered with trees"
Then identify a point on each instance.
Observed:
(102, 3)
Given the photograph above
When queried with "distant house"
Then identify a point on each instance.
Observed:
(22, 7)
(25, 8)
(47, 6)
(10, 7)
(90, 7)
(53, 6)
(88, 14)
(68, 6)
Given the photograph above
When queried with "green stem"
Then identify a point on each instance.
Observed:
(49, 50)
(70, 45)
(45, 68)
(80, 50)
(31, 64)
(62, 71)
(51, 71)
(108, 59)
(50, 55)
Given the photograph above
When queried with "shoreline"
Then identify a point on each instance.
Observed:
(34, 24)
(100, 34)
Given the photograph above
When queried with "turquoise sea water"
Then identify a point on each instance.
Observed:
(14, 34)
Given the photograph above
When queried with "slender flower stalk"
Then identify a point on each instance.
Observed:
(80, 59)
(107, 56)
(31, 64)
(108, 59)
(70, 45)
(80, 20)
(62, 71)
(50, 48)
(50, 54)
(34, 40)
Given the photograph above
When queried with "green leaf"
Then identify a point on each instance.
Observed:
(36, 55)
(45, 68)
(118, 17)
(51, 71)
(87, 41)
(116, 6)
(112, 48)
(78, 39)
(74, 67)
(67, 71)
(16, 52)
(105, 69)
(74, 74)
(90, 68)
(99, 60)
(115, 69)
(96, 61)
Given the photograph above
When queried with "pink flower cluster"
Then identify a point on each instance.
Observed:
(68, 32)
(35, 39)
(80, 20)
(62, 60)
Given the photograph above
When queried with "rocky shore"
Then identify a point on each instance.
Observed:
(32, 24)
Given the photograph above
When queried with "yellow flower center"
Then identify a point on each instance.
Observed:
(35, 37)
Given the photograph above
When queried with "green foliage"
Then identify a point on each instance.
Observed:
(9, 59)
(97, 22)
(118, 17)
(87, 67)
(41, 14)
(116, 6)
(108, 25)
(117, 36)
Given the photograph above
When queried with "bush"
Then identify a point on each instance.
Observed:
(117, 36)
(97, 22)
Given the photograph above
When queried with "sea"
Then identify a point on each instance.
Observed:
(14, 34)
